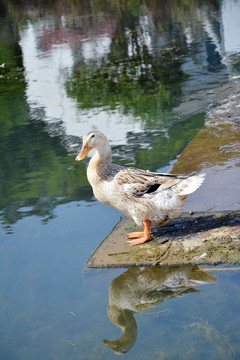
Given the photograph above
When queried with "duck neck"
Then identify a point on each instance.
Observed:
(103, 154)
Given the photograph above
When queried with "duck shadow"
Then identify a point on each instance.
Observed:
(139, 289)
(192, 224)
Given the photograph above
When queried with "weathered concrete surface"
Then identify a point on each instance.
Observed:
(201, 238)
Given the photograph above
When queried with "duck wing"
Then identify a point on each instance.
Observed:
(137, 182)
(140, 183)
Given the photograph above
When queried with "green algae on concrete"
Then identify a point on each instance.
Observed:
(201, 238)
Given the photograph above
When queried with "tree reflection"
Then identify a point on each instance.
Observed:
(141, 71)
(139, 74)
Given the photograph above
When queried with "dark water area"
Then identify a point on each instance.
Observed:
(147, 74)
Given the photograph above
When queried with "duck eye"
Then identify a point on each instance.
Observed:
(92, 136)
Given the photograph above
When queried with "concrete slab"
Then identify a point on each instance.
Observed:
(200, 238)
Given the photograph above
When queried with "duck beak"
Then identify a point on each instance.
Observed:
(83, 153)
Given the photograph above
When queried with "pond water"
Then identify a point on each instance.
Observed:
(147, 74)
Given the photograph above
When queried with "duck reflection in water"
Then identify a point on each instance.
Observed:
(140, 288)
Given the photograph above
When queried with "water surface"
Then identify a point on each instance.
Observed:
(146, 74)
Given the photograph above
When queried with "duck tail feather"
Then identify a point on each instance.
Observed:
(189, 185)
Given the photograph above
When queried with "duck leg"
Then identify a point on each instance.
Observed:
(141, 237)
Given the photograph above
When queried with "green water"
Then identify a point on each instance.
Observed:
(143, 73)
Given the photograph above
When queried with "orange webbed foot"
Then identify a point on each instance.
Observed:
(135, 235)
(140, 237)
(138, 241)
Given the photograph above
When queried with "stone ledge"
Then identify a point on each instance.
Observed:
(201, 238)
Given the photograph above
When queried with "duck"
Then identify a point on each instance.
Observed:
(151, 199)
